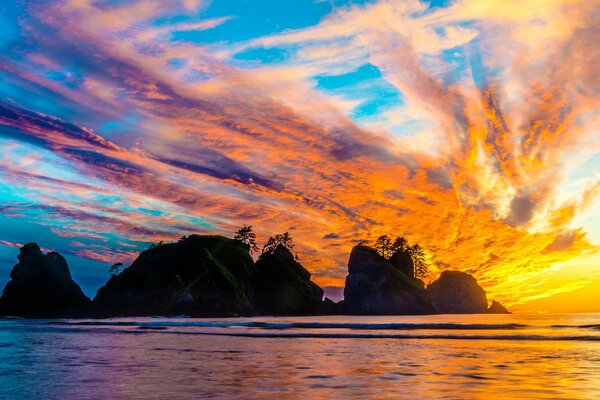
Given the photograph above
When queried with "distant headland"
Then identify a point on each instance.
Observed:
(215, 276)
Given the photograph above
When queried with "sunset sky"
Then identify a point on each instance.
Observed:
(470, 127)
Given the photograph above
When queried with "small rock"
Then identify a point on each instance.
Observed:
(497, 308)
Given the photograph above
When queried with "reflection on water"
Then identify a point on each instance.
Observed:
(503, 356)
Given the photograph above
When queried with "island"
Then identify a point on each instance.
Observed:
(215, 276)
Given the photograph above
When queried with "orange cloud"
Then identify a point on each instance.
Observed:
(234, 148)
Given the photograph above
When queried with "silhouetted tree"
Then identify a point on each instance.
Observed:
(387, 249)
(246, 235)
(418, 256)
(383, 245)
(362, 242)
(115, 269)
(400, 244)
(280, 239)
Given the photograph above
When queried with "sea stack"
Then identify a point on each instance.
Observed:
(374, 286)
(283, 286)
(457, 292)
(41, 287)
(198, 276)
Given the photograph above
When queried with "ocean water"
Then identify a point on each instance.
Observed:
(443, 356)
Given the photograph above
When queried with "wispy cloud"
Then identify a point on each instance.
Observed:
(505, 101)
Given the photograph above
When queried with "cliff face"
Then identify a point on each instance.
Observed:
(403, 262)
(197, 276)
(283, 286)
(41, 287)
(457, 292)
(375, 286)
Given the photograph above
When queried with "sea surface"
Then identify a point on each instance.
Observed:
(414, 357)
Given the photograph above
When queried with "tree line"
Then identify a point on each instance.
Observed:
(247, 236)
(388, 248)
(383, 245)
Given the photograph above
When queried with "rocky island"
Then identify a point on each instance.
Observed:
(377, 286)
(41, 287)
(214, 276)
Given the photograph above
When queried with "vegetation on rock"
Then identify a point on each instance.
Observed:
(211, 275)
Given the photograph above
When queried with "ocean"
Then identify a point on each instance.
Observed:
(364, 357)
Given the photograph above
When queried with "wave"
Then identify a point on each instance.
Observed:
(392, 336)
(300, 325)
(332, 330)
(376, 336)
(587, 326)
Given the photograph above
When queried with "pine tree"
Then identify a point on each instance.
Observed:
(383, 245)
(246, 235)
(284, 239)
(115, 269)
(418, 257)
(400, 245)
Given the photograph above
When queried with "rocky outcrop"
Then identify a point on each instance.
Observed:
(375, 286)
(457, 292)
(283, 286)
(212, 276)
(41, 287)
(497, 308)
(403, 262)
(197, 276)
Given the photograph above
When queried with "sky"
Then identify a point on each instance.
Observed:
(470, 127)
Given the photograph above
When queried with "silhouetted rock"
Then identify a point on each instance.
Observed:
(457, 292)
(283, 286)
(374, 286)
(41, 287)
(197, 276)
(497, 308)
(210, 276)
(330, 307)
(404, 262)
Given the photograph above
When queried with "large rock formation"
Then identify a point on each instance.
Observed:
(197, 276)
(210, 276)
(41, 287)
(457, 292)
(497, 308)
(375, 286)
(403, 262)
(283, 286)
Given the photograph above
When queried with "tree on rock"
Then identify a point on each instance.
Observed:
(400, 244)
(247, 236)
(384, 247)
(401, 257)
(115, 269)
(411, 260)
(283, 239)
(418, 256)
